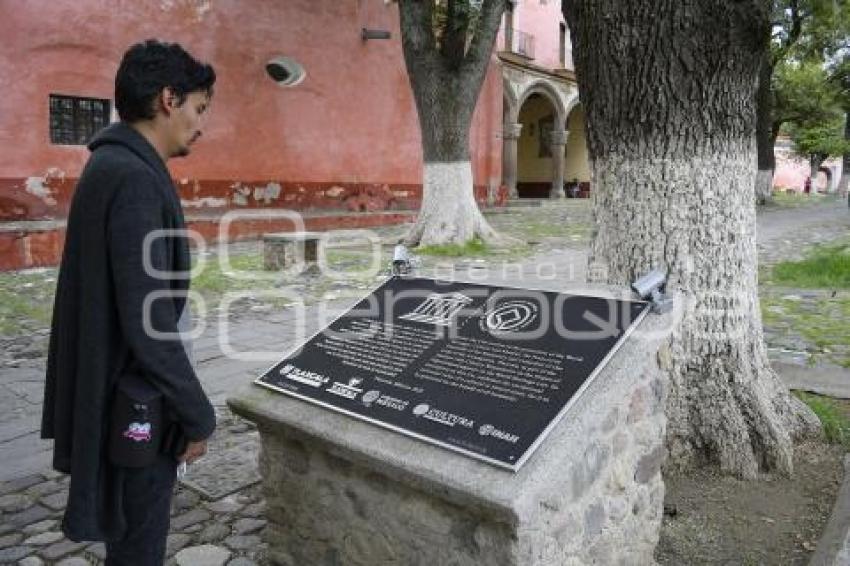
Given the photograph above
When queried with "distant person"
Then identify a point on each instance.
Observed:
(124, 405)
(574, 188)
(807, 186)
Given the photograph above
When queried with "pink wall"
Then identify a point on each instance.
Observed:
(792, 171)
(352, 120)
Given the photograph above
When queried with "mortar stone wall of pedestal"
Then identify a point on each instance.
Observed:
(344, 492)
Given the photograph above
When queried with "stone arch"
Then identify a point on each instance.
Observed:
(827, 171)
(531, 165)
(547, 90)
(570, 105)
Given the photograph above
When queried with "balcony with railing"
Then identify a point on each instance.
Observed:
(521, 43)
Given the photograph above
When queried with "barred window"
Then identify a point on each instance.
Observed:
(74, 120)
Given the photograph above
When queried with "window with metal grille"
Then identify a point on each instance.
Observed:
(74, 120)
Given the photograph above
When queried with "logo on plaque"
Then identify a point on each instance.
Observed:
(490, 430)
(310, 378)
(439, 309)
(442, 417)
(370, 397)
(348, 390)
(420, 410)
(511, 316)
(374, 397)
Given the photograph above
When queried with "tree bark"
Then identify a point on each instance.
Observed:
(766, 132)
(671, 123)
(446, 80)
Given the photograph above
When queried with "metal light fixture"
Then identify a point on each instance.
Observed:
(651, 287)
(401, 261)
(367, 34)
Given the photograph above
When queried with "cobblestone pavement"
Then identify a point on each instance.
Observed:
(786, 235)
(218, 508)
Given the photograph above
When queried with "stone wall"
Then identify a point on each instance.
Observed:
(341, 491)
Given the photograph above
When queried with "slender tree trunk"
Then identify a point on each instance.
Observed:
(671, 135)
(765, 133)
(815, 161)
(844, 182)
(446, 80)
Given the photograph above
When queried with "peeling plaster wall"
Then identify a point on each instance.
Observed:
(350, 123)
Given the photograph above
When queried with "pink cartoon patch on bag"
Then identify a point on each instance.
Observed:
(139, 432)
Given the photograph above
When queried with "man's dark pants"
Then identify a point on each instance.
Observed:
(147, 494)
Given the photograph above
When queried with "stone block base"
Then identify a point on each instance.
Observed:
(345, 492)
(285, 249)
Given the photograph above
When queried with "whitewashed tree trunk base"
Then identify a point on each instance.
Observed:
(449, 213)
(695, 217)
(764, 186)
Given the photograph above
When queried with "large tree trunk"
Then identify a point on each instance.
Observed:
(671, 135)
(446, 80)
(766, 132)
(844, 182)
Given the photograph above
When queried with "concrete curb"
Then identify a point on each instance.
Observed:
(834, 546)
(831, 381)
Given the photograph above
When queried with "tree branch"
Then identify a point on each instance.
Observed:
(417, 34)
(485, 31)
(797, 17)
(416, 26)
(453, 40)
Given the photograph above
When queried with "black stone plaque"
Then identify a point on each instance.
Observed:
(483, 370)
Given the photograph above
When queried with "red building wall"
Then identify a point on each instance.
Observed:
(347, 136)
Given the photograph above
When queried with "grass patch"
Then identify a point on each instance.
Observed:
(540, 230)
(26, 301)
(824, 323)
(475, 247)
(824, 267)
(244, 275)
(796, 200)
(834, 422)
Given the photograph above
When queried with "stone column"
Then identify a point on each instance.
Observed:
(559, 143)
(510, 134)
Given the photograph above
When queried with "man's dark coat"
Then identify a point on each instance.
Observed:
(125, 193)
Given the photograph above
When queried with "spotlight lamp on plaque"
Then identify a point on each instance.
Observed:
(651, 287)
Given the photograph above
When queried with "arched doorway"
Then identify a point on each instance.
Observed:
(540, 146)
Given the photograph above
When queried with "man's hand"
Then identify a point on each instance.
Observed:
(194, 450)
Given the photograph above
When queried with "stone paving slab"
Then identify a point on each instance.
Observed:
(230, 464)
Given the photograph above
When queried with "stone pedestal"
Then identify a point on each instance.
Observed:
(281, 250)
(343, 491)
